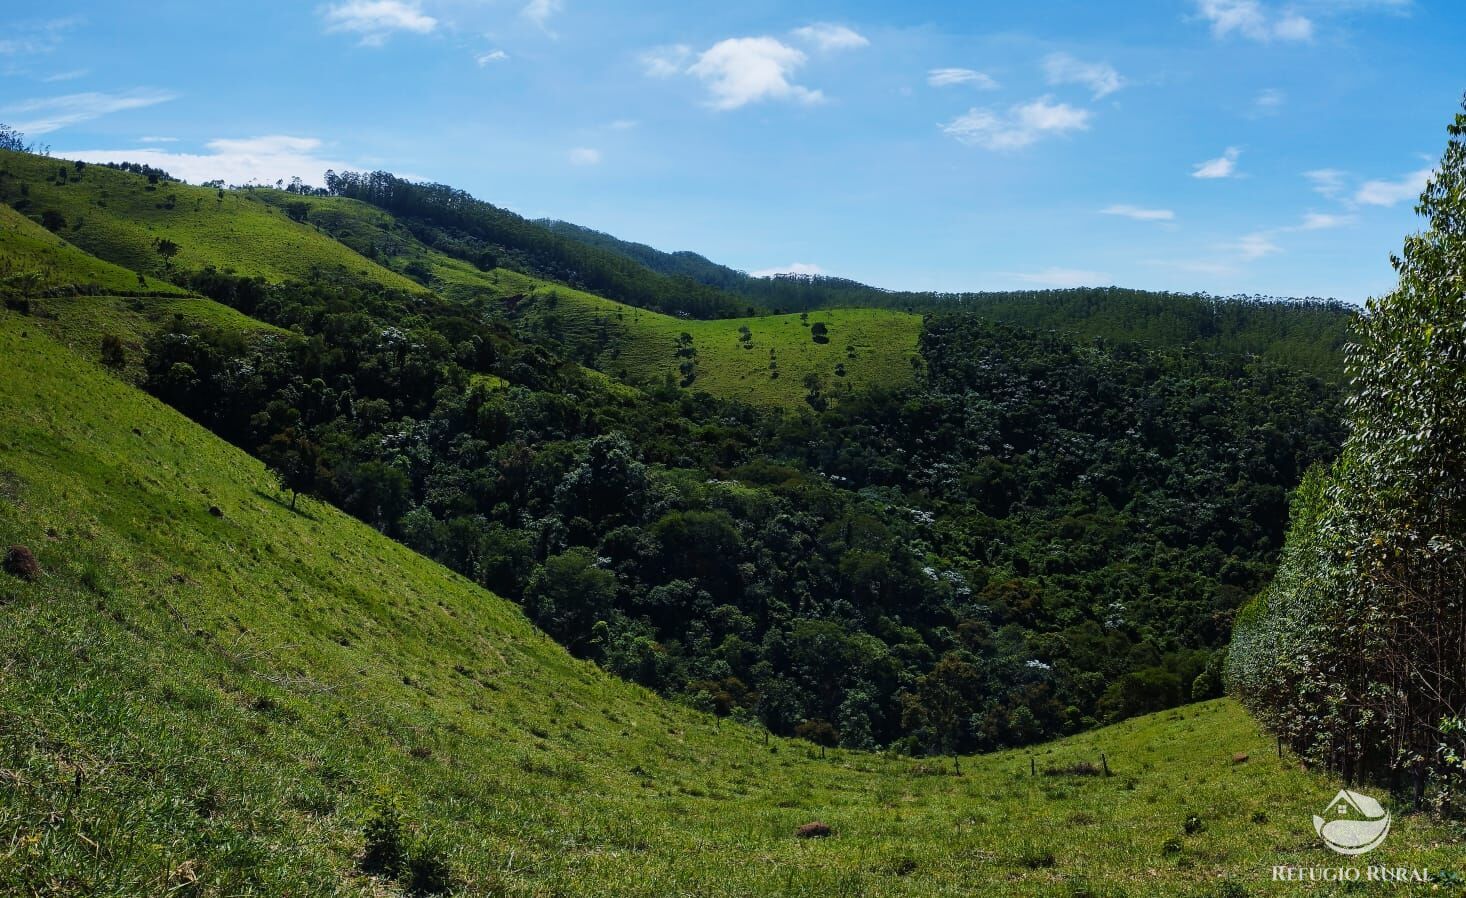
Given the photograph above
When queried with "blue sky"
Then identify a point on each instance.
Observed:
(1254, 146)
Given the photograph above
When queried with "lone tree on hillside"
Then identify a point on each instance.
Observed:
(296, 462)
(167, 249)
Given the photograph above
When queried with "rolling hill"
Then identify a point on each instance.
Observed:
(207, 693)
(121, 217)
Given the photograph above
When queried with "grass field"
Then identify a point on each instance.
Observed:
(205, 693)
(766, 360)
(47, 263)
(120, 217)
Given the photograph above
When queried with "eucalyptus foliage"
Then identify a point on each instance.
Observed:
(1356, 653)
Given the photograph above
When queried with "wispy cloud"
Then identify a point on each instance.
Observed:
(827, 37)
(665, 62)
(802, 268)
(158, 140)
(1323, 221)
(1139, 213)
(70, 75)
(37, 37)
(1254, 21)
(1252, 247)
(541, 11)
(584, 156)
(1268, 101)
(1224, 166)
(1327, 182)
(744, 70)
(1390, 193)
(42, 116)
(377, 20)
(954, 77)
(1100, 77)
(262, 160)
(491, 57)
(1019, 127)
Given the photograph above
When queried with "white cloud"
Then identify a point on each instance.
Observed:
(42, 116)
(953, 77)
(1255, 21)
(375, 20)
(1100, 77)
(158, 140)
(1064, 277)
(828, 37)
(744, 70)
(540, 11)
(263, 160)
(1019, 126)
(1322, 221)
(1326, 181)
(1255, 246)
(1389, 193)
(664, 62)
(1268, 101)
(491, 57)
(585, 156)
(1224, 166)
(71, 75)
(1138, 213)
(809, 269)
(36, 37)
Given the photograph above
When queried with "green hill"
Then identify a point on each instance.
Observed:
(121, 217)
(206, 693)
(765, 360)
(34, 259)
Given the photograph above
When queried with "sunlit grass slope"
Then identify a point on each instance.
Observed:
(120, 217)
(207, 694)
(765, 360)
(34, 259)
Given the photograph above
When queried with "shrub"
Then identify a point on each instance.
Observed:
(385, 853)
(114, 353)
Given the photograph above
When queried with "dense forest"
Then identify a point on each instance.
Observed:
(1042, 534)
(1354, 653)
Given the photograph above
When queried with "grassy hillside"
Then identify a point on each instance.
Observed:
(120, 216)
(206, 693)
(765, 360)
(37, 261)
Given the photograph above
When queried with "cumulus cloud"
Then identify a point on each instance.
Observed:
(744, 70)
(1100, 77)
(808, 269)
(827, 37)
(1139, 213)
(1019, 126)
(1064, 277)
(584, 156)
(42, 116)
(376, 20)
(1254, 21)
(262, 160)
(1224, 166)
(1390, 193)
(954, 77)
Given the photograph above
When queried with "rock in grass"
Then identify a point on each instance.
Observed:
(1240, 758)
(815, 830)
(21, 562)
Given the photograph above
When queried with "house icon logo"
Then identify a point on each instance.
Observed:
(1353, 823)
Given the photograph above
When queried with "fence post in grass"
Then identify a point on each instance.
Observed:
(1032, 766)
(1280, 746)
(1105, 763)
